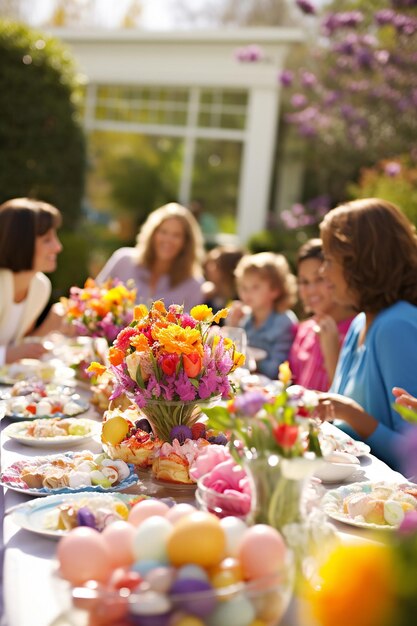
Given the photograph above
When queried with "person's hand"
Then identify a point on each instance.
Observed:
(237, 311)
(29, 350)
(328, 332)
(404, 398)
(335, 406)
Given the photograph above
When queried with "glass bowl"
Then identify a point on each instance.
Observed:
(229, 503)
(262, 601)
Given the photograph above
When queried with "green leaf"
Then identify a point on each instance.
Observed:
(139, 378)
(219, 418)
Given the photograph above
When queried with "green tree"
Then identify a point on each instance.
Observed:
(42, 147)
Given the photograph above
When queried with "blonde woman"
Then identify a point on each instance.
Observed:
(166, 262)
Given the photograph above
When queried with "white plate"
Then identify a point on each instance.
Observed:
(343, 443)
(32, 368)
(13, 481)
(332, 504)
(337, 467)
(83, 406)
(32, 515)
(18, 431)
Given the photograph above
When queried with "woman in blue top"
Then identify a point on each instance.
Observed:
(370, 251)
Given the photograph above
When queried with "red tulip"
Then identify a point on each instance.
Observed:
(286, 435)
(192, 364)
(169, 363)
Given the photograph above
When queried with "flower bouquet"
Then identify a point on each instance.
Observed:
(169, 363)
(100, 310)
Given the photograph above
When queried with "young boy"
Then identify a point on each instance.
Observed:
(267, 290)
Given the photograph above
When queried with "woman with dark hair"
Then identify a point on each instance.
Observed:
(315, 349)
(370, 251)
(166, 262)
(29, 246)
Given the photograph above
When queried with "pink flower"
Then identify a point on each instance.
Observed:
(209, 458)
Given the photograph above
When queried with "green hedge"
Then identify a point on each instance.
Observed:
(42, 145)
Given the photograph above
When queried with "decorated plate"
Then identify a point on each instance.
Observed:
(60, 470)
(343, 443)
(41, 516)
(73, 405)
(46, 371)
(370, 505)
(40, 434)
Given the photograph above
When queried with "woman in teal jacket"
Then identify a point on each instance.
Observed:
(370, 251)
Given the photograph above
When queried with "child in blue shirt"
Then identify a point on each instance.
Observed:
(267, 291)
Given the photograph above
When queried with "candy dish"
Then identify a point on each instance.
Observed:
(56, 404)
(20, 432)
(337, 467)
(68, 473)
(370, 505)
(341, 442)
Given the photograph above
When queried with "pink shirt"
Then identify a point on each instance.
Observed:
(306, 358)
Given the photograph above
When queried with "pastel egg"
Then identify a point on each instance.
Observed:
(237, 611)
(192, 571)
(269, 605)
(197, 538)
(234, 529)
(150, 538)
(146, 508)
(187, 620)
(150, 603)
(191, 595)
(145, 566)
(262, 551)
(119, 537)
(83, 555)
(178, 511)
(160, 579)
(228, 572)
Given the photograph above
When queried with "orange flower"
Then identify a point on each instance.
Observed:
(159, 306)
(177, 340)
(90, 283)
(116, 356)
(192, 364)
(96, 368)
(139, 342)
(99, 307)
(140, 311)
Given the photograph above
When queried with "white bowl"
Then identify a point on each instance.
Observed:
(336, 467)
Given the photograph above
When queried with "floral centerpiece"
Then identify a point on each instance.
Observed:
(169, 363)
(100, 310)
(275, 436)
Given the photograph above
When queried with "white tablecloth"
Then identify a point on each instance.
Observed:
(29, 594)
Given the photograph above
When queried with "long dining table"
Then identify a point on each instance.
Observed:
(30, 592)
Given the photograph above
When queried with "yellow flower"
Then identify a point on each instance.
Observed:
(96, 368)
(220, 315)
(177, 340)
(140, 311)
(285, 374)
(238, 359)
(357, 587)
(202, 313)
(139, 342)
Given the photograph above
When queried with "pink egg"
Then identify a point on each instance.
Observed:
(146, 508)
(83, 555)
(119, 538)
(178, 511)
(261, 551)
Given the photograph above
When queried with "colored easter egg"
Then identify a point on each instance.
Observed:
(178, 511)
(146, 508)
(236, 611)
(192, 571)
(261, 551)
(149, 603)
(160, 579)
(150, 538)
(269, 605)
(114, 430)
(187, 620)
(228, 572)
(119, 537)
(234, 529)
(193, 596)
(145, 566)
(84, 555)
(197, 538)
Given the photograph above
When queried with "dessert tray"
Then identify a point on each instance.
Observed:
(68, 473)
(54, 516)
(374, 505)
(53, 432)
(341, 442)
